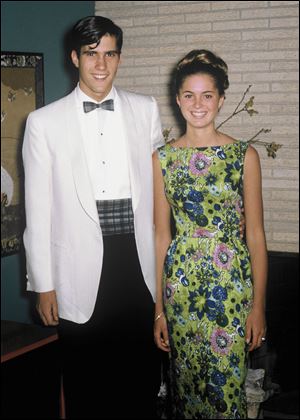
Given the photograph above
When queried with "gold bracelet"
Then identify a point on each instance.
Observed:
(159, 316)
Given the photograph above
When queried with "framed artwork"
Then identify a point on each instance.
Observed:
(22, 91)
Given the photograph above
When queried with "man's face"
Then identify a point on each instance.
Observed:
(97, 66)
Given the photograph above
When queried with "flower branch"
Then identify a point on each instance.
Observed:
(248, 107)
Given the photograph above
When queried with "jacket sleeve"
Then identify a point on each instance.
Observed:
(156, 129)
(37, 235)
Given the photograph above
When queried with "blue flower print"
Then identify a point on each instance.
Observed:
(218, 378)
(219, 293)
(195, 196)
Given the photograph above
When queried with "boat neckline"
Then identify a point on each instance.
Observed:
(200, 147)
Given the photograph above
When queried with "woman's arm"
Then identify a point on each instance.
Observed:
(163, 239)
(255, 237)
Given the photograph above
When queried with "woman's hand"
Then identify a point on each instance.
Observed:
(255, 328)
(161, 336)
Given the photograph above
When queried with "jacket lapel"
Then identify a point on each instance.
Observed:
(78, 162)
(133, 134)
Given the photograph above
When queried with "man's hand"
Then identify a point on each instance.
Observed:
(47, 307)
(242, 226)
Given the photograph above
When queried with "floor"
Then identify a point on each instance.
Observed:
(283, 406)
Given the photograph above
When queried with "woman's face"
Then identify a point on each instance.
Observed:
(199, 100)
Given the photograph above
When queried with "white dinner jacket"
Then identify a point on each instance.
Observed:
(63, 239)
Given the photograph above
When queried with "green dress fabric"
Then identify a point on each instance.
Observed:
(207, 282)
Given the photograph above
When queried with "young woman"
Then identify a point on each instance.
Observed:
(210, 282)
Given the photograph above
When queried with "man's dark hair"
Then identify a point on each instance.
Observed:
(91, 29)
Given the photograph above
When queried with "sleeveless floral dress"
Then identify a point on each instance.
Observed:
(207, 281)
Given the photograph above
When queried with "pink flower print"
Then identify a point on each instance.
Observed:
(197, 256)
(197, 338)
(169, 293)
(175, 165)
(239, 206)
(222, 256)
(220, 341)
(199, 164)
(203, 233)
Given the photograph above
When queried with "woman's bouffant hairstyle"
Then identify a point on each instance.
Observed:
(91, 29)
(205, 62)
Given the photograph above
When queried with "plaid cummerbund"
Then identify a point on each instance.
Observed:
(115, 216)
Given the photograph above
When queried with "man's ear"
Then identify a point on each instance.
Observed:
(74, 58)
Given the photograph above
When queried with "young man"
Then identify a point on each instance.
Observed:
(89, 230)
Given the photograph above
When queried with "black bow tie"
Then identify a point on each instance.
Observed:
(108, 105)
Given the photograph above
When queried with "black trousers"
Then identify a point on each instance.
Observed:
(111, 367)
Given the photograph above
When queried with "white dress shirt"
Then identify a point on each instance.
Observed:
(105, 148)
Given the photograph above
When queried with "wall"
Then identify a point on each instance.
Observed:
(35, 26)
(259, 42)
